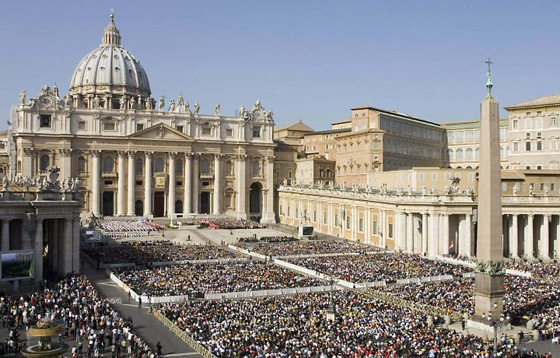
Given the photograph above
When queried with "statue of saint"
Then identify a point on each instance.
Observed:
(148, 103)
(180, 101)
(161, 103)
(96, 102)
(22, 98)
(242, 111)
(171, 106)
(188, 108)
(132, 103)
(217, 110)
(122, 102)
(196, 107)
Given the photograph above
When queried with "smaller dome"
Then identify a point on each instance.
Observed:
(110, 69)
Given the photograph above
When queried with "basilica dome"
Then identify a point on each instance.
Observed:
(110, 71)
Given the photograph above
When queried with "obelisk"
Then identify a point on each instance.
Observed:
(489, 272)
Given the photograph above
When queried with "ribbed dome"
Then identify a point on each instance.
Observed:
(110, 69)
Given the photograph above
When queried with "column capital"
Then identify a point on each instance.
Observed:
(66, 152)
(172, 154)
(95, 152)
(218, 156)
(189, 155)
(28, 151)
(149, 153)
(121, 153)
(131, 154)
(241, 157)
(271, 158)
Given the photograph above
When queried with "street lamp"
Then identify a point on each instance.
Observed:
(495, 324)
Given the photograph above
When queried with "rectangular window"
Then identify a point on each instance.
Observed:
(348, 222)
(538, 122)
(82, 125)
(139, 127)
(528, 135)
(229, 133)
(325, 218)
(527, 146)
(528, 123)
(108, 182)
(539, 145)
(390, 231)
(542, 186)
(361, 225)
(551, 186)
(297, 213)
(553, 122)
(504, 186)
(45, 121)
(179, 183)
(108, 126)
(528, 167)
(206, 131)
(139, 182)
(471, 176)
(314, 216)
(539, 167)
(447, 177)
(516, 146)
(374, 228)
(434, 176)
(336, 220)
(181, 129)
(288, 211)
(256, 132)
(421, 176)
(515, 124)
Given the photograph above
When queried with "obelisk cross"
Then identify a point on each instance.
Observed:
(489, 75)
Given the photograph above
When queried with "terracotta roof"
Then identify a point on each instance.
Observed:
(297, 126)
(539, 102)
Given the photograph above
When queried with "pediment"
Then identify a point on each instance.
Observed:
(161, 131)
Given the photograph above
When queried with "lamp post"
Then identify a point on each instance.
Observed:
(495, 324)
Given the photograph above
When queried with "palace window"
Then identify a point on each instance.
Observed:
(390, 231)
(539, 145)
(159, 165)
(528, 146)
(139, 127)
(206, 131)
(374, 227)
(179, 167)
(361, 225)
(45, 121)
(108, 126)
(179, 206)
(229, 168)
(256, 168)
(205, 166)
(108, 164)
(82, 168)
(229, 133)
(256, 132)
(516, 146)
(139, 166)
(515, 124)
(553, 122)
(82, 125)
(44, 162)
(348, 222)
(181, 129)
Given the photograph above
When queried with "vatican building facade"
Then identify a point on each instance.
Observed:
(137, 156)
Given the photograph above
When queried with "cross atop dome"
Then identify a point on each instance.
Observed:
(111, 35)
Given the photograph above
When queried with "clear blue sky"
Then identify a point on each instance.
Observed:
(309, 60)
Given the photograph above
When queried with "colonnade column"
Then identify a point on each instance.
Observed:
(417, 236)
(131, 184)
(241, 206)
(513, 237)
(76, 246)
(96, 187)
(401, 231)
(148, 184)
(188, 184)
(424, 233)
(195, 182)
(172, 182)
(468, 236)
(528, 237)
(38, 248)
(5, 235)
(269, 216)
(383, 227)
(120, 183)
(557, 242)
(544, 237)
(217, 184)
(444, 247)
(67, 249)
(434, 238)
(409, 233)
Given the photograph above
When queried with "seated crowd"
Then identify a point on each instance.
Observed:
(229, 223)
(194, 280)
(523, 297)
(143, 253)
(297, 326)
(268, 239)
(378, 267)
(127, 228)
(88, 318)
(308, 248)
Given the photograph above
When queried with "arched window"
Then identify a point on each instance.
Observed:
(289, 174)
(229, 168)
(205, 166)
(256, 168)
(82, 165)
(328, 173)
(19, 166)
(179, 168)
(459, 154)
(44, 162)
(476, 153)
(179, 207)
(159, 165)
(108, 164)
(139, 166)
(469, 154)
(450, 154)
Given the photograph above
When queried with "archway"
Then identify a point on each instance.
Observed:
(255, 201)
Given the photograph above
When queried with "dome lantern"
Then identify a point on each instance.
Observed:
(111, 35)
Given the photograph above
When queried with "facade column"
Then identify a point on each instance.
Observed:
(217, 184)
(367, 230)
(148, 184)
(544, 239)
(188, 184)
(468, 241)
(67, 249)
(444, 247)
(269, 216)
(528, 237)
(401, 231)
(557, 242)
(195, 181)
(241, 206)
(38, 248)
(120, 183)
(424, 233)
(131, 195)
(54, 239)
(418, 226)
(172, 182)
(76, 246)
(433, 235)
(96, 184)
(409, 233)
(5, 235)
(27, 162)
(514, 237)
(66, 155)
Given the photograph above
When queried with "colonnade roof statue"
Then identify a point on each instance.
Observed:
(110, 68)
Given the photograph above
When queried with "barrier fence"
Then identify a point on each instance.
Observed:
(204, 261)
(183, 335)
(264, 293)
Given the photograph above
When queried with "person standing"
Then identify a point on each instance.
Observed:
(159, 348)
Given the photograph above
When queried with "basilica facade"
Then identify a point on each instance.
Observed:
(137, 156)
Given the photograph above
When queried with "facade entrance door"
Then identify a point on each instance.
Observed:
(205, 202)
(108, 203)
(159, 204)
(255, 201)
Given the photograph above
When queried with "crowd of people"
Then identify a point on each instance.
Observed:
(127, 228)
(194, 280)
(89, 320)
(143, 253)
(307, 248)
(523, 297)
(225, 222)
(378, 267)
(267, 239)
(298, 326)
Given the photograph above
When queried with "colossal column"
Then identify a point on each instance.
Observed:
(67, 249)
(241, 207)
(217, 184)
(76, 246)
(409, 233)
(489, 273)
(38, 247)
(188, 183)
(196, 177)
(543, 239)
(269, 216)
(66, 155)
(120, 183)
(148, 184)
(529, 237)
(424, 233)
(131, 184)
(172, 181)
(96, 176)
